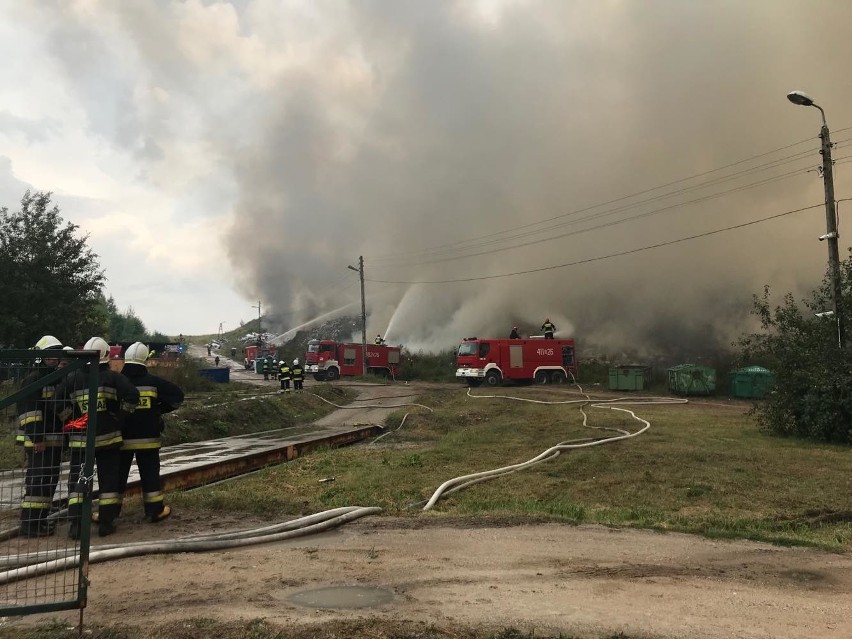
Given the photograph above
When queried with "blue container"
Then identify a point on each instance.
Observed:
(220, 375)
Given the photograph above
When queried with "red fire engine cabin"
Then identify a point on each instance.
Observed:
(327, 359)
(544, 361)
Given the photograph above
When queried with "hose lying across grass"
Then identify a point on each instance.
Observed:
(453, 485)
(39, 563)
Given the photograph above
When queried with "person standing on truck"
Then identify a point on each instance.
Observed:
(514, 334)
(298, 375)
(141, 431)
(379, 340)
(548, 327)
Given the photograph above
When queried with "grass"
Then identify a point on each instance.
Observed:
(701, 469)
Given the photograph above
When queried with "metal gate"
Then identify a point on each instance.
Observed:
(44, 564)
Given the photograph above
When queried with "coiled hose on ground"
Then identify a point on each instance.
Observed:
(458, 483)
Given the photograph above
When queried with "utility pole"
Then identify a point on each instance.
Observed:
(360, 271)
(831, 236)
(259, 328)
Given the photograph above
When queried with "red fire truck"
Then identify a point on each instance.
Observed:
(329, 360)
(545, 361)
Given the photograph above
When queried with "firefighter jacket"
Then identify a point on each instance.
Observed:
(298, 372)
(284, 371)
(548, 327)
(157, 396)
(38, 420)
(117, 398)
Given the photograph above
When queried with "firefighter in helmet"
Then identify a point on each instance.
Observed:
(514, 334)
(548, 327)
(117, 398)
(141, 431)
(379, 340)
(298, 375)
(40, 433)
(284, 375)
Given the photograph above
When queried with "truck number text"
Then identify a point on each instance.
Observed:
(545, 351)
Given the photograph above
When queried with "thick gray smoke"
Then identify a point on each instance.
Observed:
(432, 137)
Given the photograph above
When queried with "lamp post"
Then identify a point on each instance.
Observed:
(803, 99)
(360, 271)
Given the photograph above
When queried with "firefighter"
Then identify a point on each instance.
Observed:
(216, 361)
(265, 367)
(298, 375)
(548, 327)
(379, 340)
(117, 397)
(142, 430)
(514, 334)
(41, 432)
(284, 375)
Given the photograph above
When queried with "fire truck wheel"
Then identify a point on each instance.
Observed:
(542, 377)
(331, 374)
(493, 378)
(557, 377)
(320, 377)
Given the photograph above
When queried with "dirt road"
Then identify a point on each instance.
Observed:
(586, 581)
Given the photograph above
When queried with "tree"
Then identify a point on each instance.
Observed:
(812, 396)
(50, 280)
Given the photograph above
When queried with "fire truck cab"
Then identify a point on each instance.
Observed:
(543, 361)
(329, 360)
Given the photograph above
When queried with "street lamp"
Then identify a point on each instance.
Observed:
(803, 99)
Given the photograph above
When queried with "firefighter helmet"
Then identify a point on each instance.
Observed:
(296, 362)
(136, 353)
(48, 341)
(67, 348)
(98, 344)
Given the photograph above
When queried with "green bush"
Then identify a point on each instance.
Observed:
(812, 395)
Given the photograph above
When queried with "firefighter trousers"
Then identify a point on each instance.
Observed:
(108, 460)
(148, 463)
(297, 383)
(39, 486)
(285, 384)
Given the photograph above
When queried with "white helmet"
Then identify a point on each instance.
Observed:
(67, 348)
(296, 362)
(48, 341)
(136, 353)
(98, 344)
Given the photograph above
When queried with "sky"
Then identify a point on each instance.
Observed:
(495, 162)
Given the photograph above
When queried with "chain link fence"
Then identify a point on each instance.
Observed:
(44, 550)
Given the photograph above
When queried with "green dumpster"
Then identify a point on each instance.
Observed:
(629, 378)
(752, 382)
(692, 379)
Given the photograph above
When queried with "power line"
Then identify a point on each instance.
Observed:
(602, 204)
(603, 257)
(480, 241)
(638, 216)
